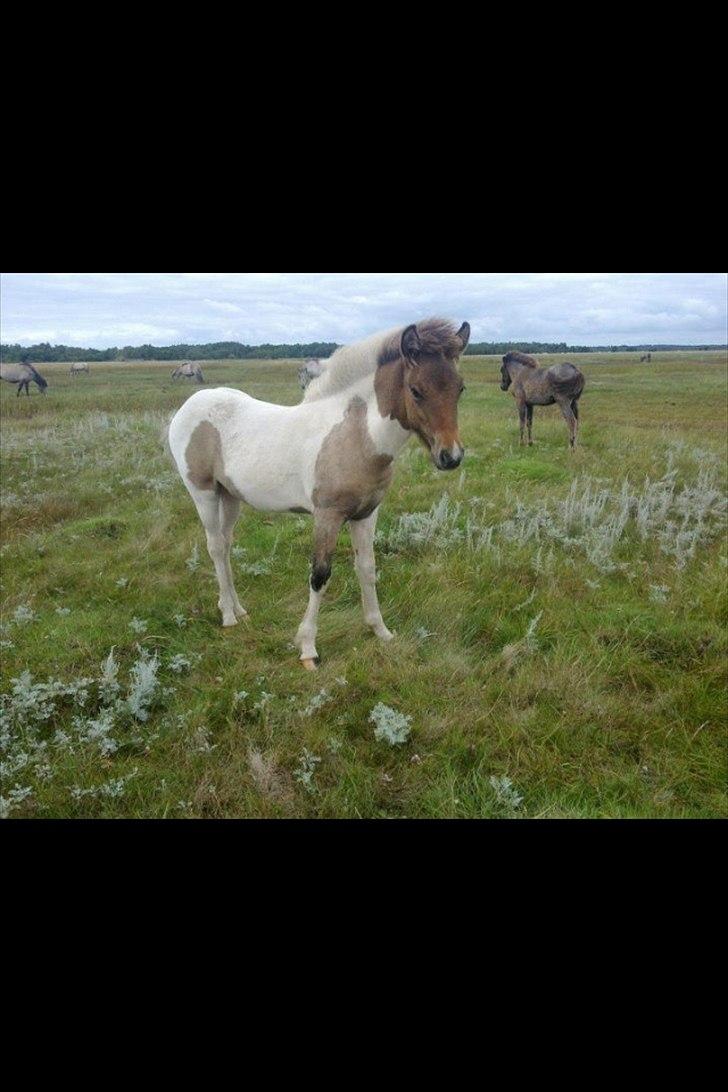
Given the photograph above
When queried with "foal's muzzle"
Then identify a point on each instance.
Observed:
(450, 460)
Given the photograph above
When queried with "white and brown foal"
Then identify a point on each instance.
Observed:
(332, 456)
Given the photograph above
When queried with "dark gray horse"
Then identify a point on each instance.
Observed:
(22, 375)
(562, 385)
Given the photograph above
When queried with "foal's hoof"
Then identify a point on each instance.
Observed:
(310, 665)
(229, 623)
(384, 635)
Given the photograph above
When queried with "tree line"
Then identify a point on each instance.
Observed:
(234, 350)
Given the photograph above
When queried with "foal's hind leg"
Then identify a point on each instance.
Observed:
(328, 524)
(575, 411)
(211, 510)
(229, 514)
(362, 535)
(530, 425)
(572, 421)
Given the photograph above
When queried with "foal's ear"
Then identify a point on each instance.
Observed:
(411, 345)
(464, 334)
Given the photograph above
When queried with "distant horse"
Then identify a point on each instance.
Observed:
(561, 385)
(331, 456)
(647, 359)
(79, 369)
(189, 371)
(22, 375)
(312, 369)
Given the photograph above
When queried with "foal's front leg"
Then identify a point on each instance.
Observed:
(362, 535)
(523, 416)
(328, 524)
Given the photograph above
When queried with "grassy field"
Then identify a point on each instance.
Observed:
(561, 637)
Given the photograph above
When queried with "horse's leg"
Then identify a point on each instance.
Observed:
(571, 421)
(575, 411)
(209, 506)
(229, 514)
(328, 524)
(530, 425)
(523, 415)
(362, 535)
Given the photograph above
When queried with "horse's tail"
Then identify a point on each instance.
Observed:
(200, 377)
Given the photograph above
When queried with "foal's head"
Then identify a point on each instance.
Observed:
(433, 387)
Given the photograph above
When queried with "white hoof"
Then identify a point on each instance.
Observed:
(241, 612)
(309, 665)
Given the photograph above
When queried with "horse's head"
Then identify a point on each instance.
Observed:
(506, 377)
(433, 386)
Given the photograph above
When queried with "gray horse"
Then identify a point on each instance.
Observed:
(312, 369)
(189, 371)
(562, 385)
(22, 375)
(79, 369)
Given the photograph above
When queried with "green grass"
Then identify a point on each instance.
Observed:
(614, 708)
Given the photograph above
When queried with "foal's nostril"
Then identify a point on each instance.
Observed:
(450, 462)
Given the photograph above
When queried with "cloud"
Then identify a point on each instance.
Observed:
(103, 309)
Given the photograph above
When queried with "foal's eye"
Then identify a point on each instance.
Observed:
(417, 395)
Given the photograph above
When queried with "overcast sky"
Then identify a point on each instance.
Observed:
(100, 310)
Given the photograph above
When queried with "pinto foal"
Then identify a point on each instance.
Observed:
(562, 385)
(331, 456)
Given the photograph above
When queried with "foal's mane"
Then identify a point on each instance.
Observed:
(520, 358)
(350, 365)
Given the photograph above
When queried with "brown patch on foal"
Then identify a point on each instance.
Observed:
(352, 478)
(433, 376)
(205, 462)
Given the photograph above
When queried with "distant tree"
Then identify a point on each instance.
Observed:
(233, 350)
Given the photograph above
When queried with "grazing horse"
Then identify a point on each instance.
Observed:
(331, 456)
(312, 369)
(23, 375)
(79, 369)
(647, 359)
(189, 371)
(533, 386)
